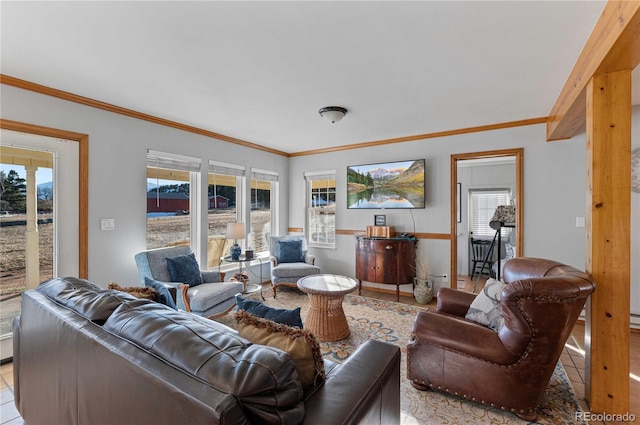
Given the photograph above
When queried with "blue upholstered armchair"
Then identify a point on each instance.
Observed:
(212, 298)
(290, 261)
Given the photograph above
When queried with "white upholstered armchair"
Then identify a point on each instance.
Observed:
(290, 261)
(211, 298)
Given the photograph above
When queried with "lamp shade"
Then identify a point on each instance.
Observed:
(235, 231)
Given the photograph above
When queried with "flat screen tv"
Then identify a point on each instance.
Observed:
(397, 184)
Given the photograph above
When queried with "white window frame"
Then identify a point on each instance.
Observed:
(226, 169)
(311, 209)
(170, 161)
(273, 178)
(479, 220)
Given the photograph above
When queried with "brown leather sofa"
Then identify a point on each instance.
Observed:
(509, 369)
(86, 355)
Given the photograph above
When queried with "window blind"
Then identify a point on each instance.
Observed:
(322, 175)
(168, 161)
(265, 175)
(483, 205)
(227, 169)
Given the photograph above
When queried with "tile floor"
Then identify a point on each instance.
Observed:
(572, 359)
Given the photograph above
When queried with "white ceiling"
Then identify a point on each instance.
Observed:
(259, 71)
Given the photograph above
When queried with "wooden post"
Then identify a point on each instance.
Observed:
(608, 212)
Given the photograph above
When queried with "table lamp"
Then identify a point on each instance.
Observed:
(235, 231)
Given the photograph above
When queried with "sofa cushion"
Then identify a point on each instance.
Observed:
(84, 297)
(300, 344)
(185, 269)
(261, 378)
(137, 291)
(486, 308)
(164, 296)
(290, 251)
(278, 315)
(207, 295)
(294, 270)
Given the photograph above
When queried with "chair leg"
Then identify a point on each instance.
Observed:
(274, 287)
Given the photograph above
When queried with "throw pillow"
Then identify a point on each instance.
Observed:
(185, 269)
(164, 296)
(278, 315)
(137, 291)
(485, 308)
(290, 251)
(300, 344)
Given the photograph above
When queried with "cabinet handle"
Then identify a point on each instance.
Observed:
(388, 247)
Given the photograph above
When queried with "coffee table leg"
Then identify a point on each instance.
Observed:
(326, 319)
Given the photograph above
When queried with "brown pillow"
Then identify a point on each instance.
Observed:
(300, 344)
(137, 291)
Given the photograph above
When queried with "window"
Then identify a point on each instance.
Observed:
(321, 208)
(224, 205)
(264, 186)
(483, 204)
(169, 200)
(27, 232)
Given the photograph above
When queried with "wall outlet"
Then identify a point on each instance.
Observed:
(445, 278)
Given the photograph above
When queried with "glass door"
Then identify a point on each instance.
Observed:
(26, 227)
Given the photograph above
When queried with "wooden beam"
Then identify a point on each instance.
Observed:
(608, 212)
(614, 45)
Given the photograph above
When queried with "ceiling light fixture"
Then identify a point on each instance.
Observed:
(332, 113)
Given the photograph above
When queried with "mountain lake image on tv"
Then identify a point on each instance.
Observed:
(397, 184)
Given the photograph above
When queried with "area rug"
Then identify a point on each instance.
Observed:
(392, 322)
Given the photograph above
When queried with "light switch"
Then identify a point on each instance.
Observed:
(107, 224)
(579, 221)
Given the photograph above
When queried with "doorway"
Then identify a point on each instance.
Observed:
(58, 225)
(460, 224)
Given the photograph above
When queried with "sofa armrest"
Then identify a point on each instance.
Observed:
(364, 389)
(454, 302)
(309, 259)
(178, 291)
(461, 336)
(210, 276)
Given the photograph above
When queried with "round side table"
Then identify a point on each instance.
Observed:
(326, 319)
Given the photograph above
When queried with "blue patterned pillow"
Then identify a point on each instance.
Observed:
(184, 269)
(164, 296)
(278, 315)
(290, 251)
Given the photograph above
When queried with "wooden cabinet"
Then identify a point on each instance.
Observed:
(386, 260)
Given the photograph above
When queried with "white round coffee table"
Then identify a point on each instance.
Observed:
(326, 319)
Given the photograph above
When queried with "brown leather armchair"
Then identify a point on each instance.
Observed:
(509, 369)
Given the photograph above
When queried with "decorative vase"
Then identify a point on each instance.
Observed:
(422, 290)
(235, 252)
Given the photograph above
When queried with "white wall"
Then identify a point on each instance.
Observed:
(117, 172)
(554, 185)
(554, 193)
